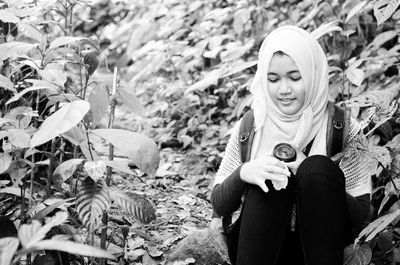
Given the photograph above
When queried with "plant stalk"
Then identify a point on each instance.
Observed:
(52, 162)
(113, 103)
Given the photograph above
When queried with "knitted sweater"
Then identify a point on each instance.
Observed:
(357, 182)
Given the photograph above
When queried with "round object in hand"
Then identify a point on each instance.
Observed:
(285, 152)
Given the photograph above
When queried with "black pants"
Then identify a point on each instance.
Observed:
(326, 216)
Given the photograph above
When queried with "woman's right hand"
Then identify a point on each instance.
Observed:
(262, 168)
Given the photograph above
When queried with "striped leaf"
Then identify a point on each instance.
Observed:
(93, 198)
(134, 204)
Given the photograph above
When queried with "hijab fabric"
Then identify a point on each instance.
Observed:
(310, 122)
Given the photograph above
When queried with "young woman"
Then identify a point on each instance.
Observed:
(300, 212)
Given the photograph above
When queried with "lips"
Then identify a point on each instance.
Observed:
(286, 100)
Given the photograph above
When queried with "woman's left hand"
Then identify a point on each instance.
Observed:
(293, 166)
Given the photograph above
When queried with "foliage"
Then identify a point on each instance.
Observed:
(53, 96)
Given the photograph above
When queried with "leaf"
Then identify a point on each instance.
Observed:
(61, 41)
(69, 115)
(121, 165)
(357, 255)
(15, 49)
(99, 100)
(8, 17)
(44, 212)
(5, 161)
(210, 79)
(140, 149)
(8, 246)
(383, 37)
(355, 76)
(240, 68)
(15, 191)
(131, 101)
(73, 248)
(36, 86)
(377, 226)
(65, 170)
(384, 9)
(75, 135)
(134, 204)
(356, 9)
(30, 234)
(54, 76)
(377, 97)
(326, 28)
(7, 84)
(19, 138)
(95, 169)
(93, 198)
(235, 51)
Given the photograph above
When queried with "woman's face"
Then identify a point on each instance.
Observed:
(285, 84)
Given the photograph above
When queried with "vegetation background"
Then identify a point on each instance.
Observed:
(115, 115)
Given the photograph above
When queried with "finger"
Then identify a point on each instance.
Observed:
(263, 186)
(277, 170)
(277, 177)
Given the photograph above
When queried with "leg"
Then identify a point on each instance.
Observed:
(264, 220)
(322, 211)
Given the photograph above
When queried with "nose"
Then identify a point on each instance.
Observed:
(284, 87)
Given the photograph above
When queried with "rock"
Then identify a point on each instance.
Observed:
(206, 246)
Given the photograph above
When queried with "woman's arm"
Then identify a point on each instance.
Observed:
(228, 186)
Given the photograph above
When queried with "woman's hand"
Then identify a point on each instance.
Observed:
(300, 156)
(262, 168)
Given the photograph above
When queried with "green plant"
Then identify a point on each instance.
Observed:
(53, 98)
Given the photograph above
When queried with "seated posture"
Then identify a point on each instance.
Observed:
(300, 212)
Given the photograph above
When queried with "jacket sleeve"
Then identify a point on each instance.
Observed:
(228, 186)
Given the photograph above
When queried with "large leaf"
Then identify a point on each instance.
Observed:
(93, 198)
(30, 234)
(384, 9)
(210, 79)
(69, 115)
(140, 149)
(73, 248)
(54, 76)
(5, 161)
(134, 204)
(8, 17)
(15, 49)
(8, 246)
(19, 138)
(61, 41)
(65, 170)
(99, 101)
(131, 101)
(326, 28)
(377, 226)
(357, 255)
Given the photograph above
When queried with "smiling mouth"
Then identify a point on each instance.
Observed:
(286, 99)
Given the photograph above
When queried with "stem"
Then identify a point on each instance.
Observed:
(32, 178)
(52, 162)
(113, 103)
(103, 239)
(104, 219)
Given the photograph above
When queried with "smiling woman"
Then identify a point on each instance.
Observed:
(293, 212)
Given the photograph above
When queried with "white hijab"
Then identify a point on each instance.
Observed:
(310, 122)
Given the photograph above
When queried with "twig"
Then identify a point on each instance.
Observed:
(113, 103)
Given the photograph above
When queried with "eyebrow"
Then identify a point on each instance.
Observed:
(290, 72)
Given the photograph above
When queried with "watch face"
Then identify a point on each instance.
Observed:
(285, 152)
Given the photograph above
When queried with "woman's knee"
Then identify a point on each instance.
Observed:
(319, 169)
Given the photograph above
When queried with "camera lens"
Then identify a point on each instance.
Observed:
(285, 152)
